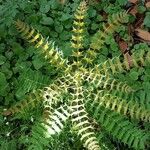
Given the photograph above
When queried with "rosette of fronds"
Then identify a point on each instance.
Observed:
(82, 94)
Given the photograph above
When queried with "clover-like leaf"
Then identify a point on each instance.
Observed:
(47, 21)
(147, 20)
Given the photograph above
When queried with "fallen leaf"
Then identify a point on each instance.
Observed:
(145, 35)
(62, 1)
(124, 49)
(123, 46)
(147, 4)
(130, 33)
(7, 113)
(105, 15)
(129, 59)
(133, 1)
(133, 11)
(139, 21)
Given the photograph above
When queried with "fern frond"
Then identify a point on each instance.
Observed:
(113, 23)
(54, 123)
(98, 80)
(81, 122)
(78, 34)
(32, 80)
(38, 139)
(34, 98)
(115, 65)
(78, 29)
(47, 49)
(117, 125)
(129, 108)
(31, 101)
(99, 38)
(51, 122)
(104, 139)
(48, 126)
(53, 94)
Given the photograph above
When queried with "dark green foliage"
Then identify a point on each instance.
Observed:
(31, 80)
(118, 126)
(21, 71)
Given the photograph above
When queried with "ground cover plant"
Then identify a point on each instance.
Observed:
(84, 94)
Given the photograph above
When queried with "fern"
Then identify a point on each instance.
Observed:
(31, 80)
(78, 29)
(47, 49)
(118, 126)
(128, 108)
(82, 94)
(54, 123)
(31, 101)
(98, 80)
(115, 65)
(113, 23)
(48, 126)
(80, 121)
(99, 38)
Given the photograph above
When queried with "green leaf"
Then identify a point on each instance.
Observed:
(47, 21)
(2, 79)
(114, 47)
(54, 34)
(3, 84)
(92, 13)
(65, 17)
(2, 33)
(59, 28)
(38, 63)
(67, 24)
(147, 20)
(44, 8)
(65, 35)
(54, 4)
(122, 2)
(94, 26)
(17, 48)
(99, 18)
(2, 59)
(34, 18)
(141, 9)
(65, 49)
(29, 9)
(31, 80)
(134, 75)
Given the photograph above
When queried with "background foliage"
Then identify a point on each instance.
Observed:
(53, 18)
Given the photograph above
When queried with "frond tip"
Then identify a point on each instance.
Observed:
(46, 48)
(113, 23)
(31, 101)
(115, 65)
(100, 36)
(78, 28)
